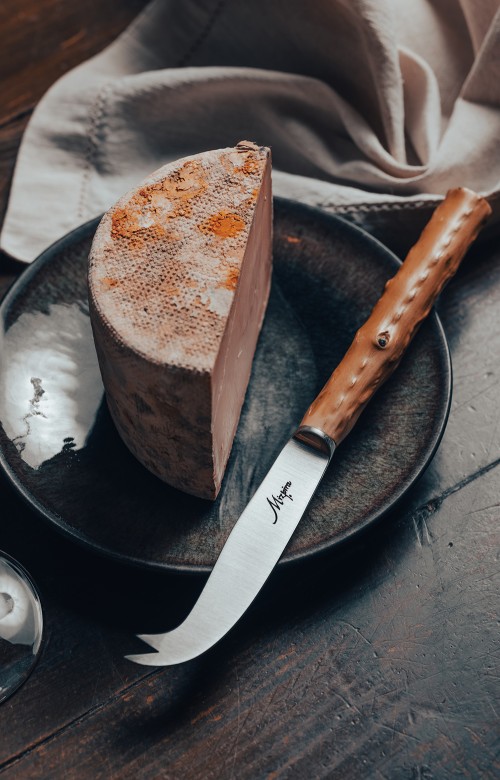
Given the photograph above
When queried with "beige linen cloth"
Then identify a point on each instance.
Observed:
(373, 109)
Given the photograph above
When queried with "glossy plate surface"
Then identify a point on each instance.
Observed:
(61, 451)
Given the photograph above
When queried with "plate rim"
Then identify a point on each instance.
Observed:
(57, 522)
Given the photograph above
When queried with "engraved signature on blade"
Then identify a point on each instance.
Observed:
(276, 502)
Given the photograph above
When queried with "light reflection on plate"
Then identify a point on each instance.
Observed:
(80, 476)
(50, 385)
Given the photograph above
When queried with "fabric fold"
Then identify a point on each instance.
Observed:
(368, 106)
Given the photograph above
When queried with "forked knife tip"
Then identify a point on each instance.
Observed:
(153, 640)
(146, 659)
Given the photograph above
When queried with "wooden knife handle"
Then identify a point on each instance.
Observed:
(407, 299)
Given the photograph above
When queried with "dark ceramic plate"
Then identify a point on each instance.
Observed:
(61, 451)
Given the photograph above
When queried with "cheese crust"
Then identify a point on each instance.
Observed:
(179, 277)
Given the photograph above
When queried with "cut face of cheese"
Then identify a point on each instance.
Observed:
(179, 278)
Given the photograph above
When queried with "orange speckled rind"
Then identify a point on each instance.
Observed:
(165, 257)
(408, 298)
(179, 274)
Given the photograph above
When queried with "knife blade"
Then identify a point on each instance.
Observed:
(250, 553)
(265, 527)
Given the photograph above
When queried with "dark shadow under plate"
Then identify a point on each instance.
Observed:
(60, 449)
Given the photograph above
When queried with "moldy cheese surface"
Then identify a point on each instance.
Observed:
(179, 278)
(170, 255)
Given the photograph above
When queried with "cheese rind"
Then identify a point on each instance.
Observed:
(179, 278)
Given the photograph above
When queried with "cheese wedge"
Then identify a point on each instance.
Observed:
(179, 278)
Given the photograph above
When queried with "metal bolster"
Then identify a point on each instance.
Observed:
(316, 438)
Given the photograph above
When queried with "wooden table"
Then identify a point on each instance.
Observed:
(378, 661)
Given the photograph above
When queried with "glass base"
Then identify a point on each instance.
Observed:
(21, 625)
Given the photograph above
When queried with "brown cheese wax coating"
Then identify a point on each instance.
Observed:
(408, 298)
(179, 278)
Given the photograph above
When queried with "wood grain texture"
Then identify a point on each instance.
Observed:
(408, 297)
(42, 40)
(380, 661)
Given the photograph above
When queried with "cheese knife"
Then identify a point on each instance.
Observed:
(265, 527)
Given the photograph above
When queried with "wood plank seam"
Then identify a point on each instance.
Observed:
(419, 515)
(13, 760)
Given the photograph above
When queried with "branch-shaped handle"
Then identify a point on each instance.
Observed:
(407, 299)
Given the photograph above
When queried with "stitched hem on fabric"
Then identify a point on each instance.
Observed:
(203, 34)
(387, 206)
(412, 205)
(93, 136)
